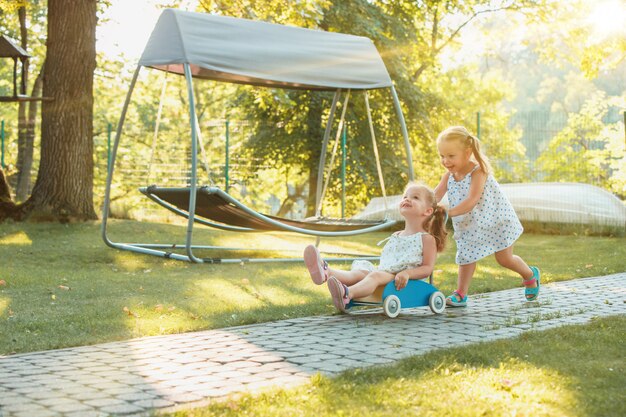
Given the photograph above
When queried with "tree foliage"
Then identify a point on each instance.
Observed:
(588, 148)
(585, 33)
(410, 37)
(284, 128)
(12, 6)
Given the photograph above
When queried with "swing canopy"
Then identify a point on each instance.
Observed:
(197, 45)
(264, 54)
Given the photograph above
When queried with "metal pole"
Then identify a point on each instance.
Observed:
(118, 134)
(343, 172)
(478, 125)
(109, 130)
(322, 163)
(194, 164)
(405, 133)
(226, 163)
(379, 167)
(2, 146)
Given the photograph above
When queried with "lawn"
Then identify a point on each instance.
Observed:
(558, 372)
(60, 286)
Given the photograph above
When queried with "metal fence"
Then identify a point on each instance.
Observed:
(537, 130)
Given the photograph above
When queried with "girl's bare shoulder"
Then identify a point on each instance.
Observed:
(479, 174)
(427, 238)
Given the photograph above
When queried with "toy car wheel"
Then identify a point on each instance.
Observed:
(392, 306)
(437, 302)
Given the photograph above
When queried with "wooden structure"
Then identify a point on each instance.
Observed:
(8, 49)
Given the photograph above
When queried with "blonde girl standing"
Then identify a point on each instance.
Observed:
(483, 219)
(408, 254)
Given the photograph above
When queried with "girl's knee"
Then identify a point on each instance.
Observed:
(504, 259)
(380, 277)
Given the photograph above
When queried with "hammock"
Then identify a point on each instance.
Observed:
(214, 204)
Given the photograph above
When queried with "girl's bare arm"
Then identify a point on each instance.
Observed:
(479, 178)
(442, 187)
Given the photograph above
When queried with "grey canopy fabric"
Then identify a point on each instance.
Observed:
(258, 53)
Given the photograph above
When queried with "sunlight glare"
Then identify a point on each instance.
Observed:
(18, 238)
(511, 388)
(4, 306)
(129, 263)
(127, 25)
(607, 18)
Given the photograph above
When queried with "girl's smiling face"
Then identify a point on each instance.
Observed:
(454, 157)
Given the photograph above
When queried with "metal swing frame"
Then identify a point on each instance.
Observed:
(166, 250)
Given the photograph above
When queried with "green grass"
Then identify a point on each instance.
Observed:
(559, 372)
(63, 287)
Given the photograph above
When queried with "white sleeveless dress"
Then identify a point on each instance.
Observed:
(489, 227)
(399, 253)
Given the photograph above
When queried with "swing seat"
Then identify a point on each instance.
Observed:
(214, 204)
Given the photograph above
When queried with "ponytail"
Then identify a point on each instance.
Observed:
(436, 226)
(480, 157)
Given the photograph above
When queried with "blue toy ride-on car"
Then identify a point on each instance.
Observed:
(417, 293)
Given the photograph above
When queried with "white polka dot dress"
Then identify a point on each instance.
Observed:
(491, 226)
(399, 253)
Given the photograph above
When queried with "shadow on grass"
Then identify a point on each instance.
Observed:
(64, 287)
(560, 372)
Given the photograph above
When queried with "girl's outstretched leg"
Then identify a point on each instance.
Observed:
(320, 271)
(318, 268)
(339, 293)
(369, 283)
(466, 272)
(342, 294)
(459, 297)
(348, 277)
(513, 262)
(529, 274)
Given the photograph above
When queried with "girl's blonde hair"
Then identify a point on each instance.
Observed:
(435, 225)
(466, 140)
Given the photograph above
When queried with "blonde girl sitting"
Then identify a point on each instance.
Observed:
(408, 254)
(483, 219)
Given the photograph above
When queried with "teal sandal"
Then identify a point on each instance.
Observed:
(455, 300)
(532, 293)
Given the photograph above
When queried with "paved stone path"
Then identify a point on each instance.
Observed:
(187, 370)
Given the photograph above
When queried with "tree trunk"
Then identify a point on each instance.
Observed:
(8, 209)
(24, 160)
(5, 191)
(24, 152)
(27, 143)
(64, 186)
(291, 199)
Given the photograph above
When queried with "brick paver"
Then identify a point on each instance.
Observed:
(187, 370)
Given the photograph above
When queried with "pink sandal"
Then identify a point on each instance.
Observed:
(318, 268)
(339, 292)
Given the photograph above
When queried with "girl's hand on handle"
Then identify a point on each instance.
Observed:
(401, 279)
(442, 187)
